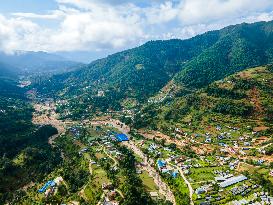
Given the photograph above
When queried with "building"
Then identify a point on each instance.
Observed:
(121, 137)
(232, 180)
(101, 93)
(154, 194)
(46, 186)
(200, 190)
(271, 173)
(161, 164)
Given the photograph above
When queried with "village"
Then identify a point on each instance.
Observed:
(214, 167)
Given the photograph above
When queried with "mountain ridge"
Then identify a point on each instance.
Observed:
(37, 62)
(139, 73)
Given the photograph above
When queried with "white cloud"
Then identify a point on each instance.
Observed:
(200, 11)
(56, 14)
(163, 13)
(111, 24)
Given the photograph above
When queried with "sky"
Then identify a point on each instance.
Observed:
(90, 29)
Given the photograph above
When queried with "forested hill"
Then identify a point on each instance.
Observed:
(141, 72)
(138, 72)
(25, 154)
(238, 47)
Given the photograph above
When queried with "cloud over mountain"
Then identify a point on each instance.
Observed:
(110, 24)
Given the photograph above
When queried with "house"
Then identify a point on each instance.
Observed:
(218, 127)
(92, 162)
(187, 172)
(246, 143)
(175, 174)
(101, 93)
(138, 171)
(219, 178)
(161, 164)
(58, 180)
(112, 195)
(107, 186)
(165, 170)
(47, 185)
(208, 140)
(154, 194)
(200, 190)
(260, 161)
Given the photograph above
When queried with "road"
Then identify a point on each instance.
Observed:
(108, 155)
(188, 184)
(163, 187)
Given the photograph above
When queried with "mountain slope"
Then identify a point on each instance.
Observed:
(25, 154)
(137, 74)
(238, 47)
(242, 99)
(143, 70)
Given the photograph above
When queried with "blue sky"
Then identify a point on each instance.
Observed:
(96, 28)
(11, 6)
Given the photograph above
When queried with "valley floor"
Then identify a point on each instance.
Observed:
(168, 166)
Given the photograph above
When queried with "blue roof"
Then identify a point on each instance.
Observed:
(161, 163)
(122, 137)
(175, 174)
(49, 183)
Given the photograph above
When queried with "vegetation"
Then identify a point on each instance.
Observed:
(140, 73)
(224, 99)
(24, 153)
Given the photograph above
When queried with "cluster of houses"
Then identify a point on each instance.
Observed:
(110, 194)
(259, 198)
(75, 131)
(243, 190)
(160, 99)
(153, 148)
(162, 167)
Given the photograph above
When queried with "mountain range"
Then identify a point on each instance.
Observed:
(22, 62)
(137, 74)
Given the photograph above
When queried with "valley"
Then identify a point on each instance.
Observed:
(198, 159)
(169, 122)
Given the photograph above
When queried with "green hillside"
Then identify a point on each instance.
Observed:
(243, 99)
(238, 47)
(138, 72)
(135, 75)
(24, 153)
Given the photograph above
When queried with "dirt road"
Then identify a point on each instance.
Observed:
(188, 184)
(163, 187)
